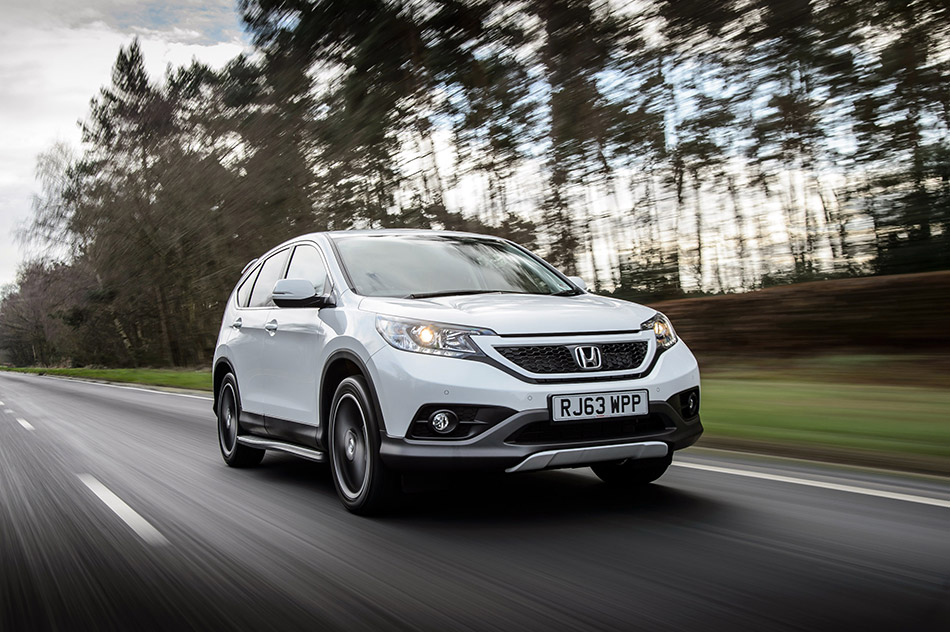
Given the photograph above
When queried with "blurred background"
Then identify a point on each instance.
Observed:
(773, 174)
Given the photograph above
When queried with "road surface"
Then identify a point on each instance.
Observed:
(117, 513)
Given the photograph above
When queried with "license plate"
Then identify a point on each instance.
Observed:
(599, 405)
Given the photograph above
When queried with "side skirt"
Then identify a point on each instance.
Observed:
(270, 444)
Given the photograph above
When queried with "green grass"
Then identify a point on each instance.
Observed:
(175, 378)
(885, 419)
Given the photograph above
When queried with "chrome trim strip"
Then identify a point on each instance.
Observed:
(270, 444)
(570, 457)
(619, 332)
(489, 346)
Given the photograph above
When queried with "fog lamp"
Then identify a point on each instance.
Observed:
(443, 421)
(689, 403)
(692, 404)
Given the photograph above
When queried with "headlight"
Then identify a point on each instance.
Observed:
(433, 338)
(662, 329)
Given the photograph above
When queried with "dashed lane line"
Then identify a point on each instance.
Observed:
(25, 424)
(140, 525)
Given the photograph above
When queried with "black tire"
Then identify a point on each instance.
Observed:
(364, 484)
(229, 415)
(632, 472)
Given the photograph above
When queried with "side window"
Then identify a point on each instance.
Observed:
(266, 278)
(244, 292)
(306, 263)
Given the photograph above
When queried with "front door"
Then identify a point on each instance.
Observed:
(298, 341)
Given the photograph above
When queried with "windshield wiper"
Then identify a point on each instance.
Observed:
(451, 293)
(570, 292)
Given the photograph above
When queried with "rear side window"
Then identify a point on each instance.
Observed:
(244, 292)
(268, 276)
(306, 263)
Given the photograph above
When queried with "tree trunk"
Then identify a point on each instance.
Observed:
(698, 263)
(741, 253)
(167, 355)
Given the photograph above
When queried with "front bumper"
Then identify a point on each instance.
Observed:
(500, 447)
(407, 383)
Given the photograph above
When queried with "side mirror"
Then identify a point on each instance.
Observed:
(298, 293)
(579, 282)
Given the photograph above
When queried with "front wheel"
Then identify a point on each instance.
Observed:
(632, 472)
(362, 481)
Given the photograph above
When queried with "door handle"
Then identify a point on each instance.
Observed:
(237, 324)
(271, 326)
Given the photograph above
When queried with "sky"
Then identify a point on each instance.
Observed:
(54, 57)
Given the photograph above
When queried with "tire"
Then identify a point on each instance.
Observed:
(632, 472)
(364, 484)
(229, 415)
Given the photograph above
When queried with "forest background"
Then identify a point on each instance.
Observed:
(660, 149)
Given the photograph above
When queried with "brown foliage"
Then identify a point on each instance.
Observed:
(888, 314)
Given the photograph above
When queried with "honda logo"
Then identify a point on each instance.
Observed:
(587, 357)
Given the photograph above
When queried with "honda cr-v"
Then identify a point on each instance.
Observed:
(385, 352)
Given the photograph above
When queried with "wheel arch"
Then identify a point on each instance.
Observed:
(339, 366)
(222, 368)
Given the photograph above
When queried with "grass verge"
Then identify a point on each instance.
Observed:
(173, 378)
(891, 426)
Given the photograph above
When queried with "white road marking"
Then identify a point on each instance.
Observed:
(1, 403)
(122, 386)
(25, 424)
(922, 500)
(138, 524)
(9, 412)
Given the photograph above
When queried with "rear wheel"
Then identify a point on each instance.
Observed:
(632, 472)
(365, 485)
(229, 411)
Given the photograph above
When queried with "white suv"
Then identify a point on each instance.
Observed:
(390, 351)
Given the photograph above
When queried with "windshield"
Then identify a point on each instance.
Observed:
(419, 266)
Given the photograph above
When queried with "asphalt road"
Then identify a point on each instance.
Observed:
(117, 513)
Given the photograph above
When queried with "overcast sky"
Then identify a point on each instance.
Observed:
(54, 57)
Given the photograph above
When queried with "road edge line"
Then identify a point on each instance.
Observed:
(129, 386)
(879, 493)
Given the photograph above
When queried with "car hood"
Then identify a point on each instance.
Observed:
(519, 313)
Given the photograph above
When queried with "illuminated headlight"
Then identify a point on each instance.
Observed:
(662, 329)
(433, 338)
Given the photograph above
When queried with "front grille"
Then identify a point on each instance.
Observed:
(615, 356)
(623, 355)
(541, 358)
(541, 432)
